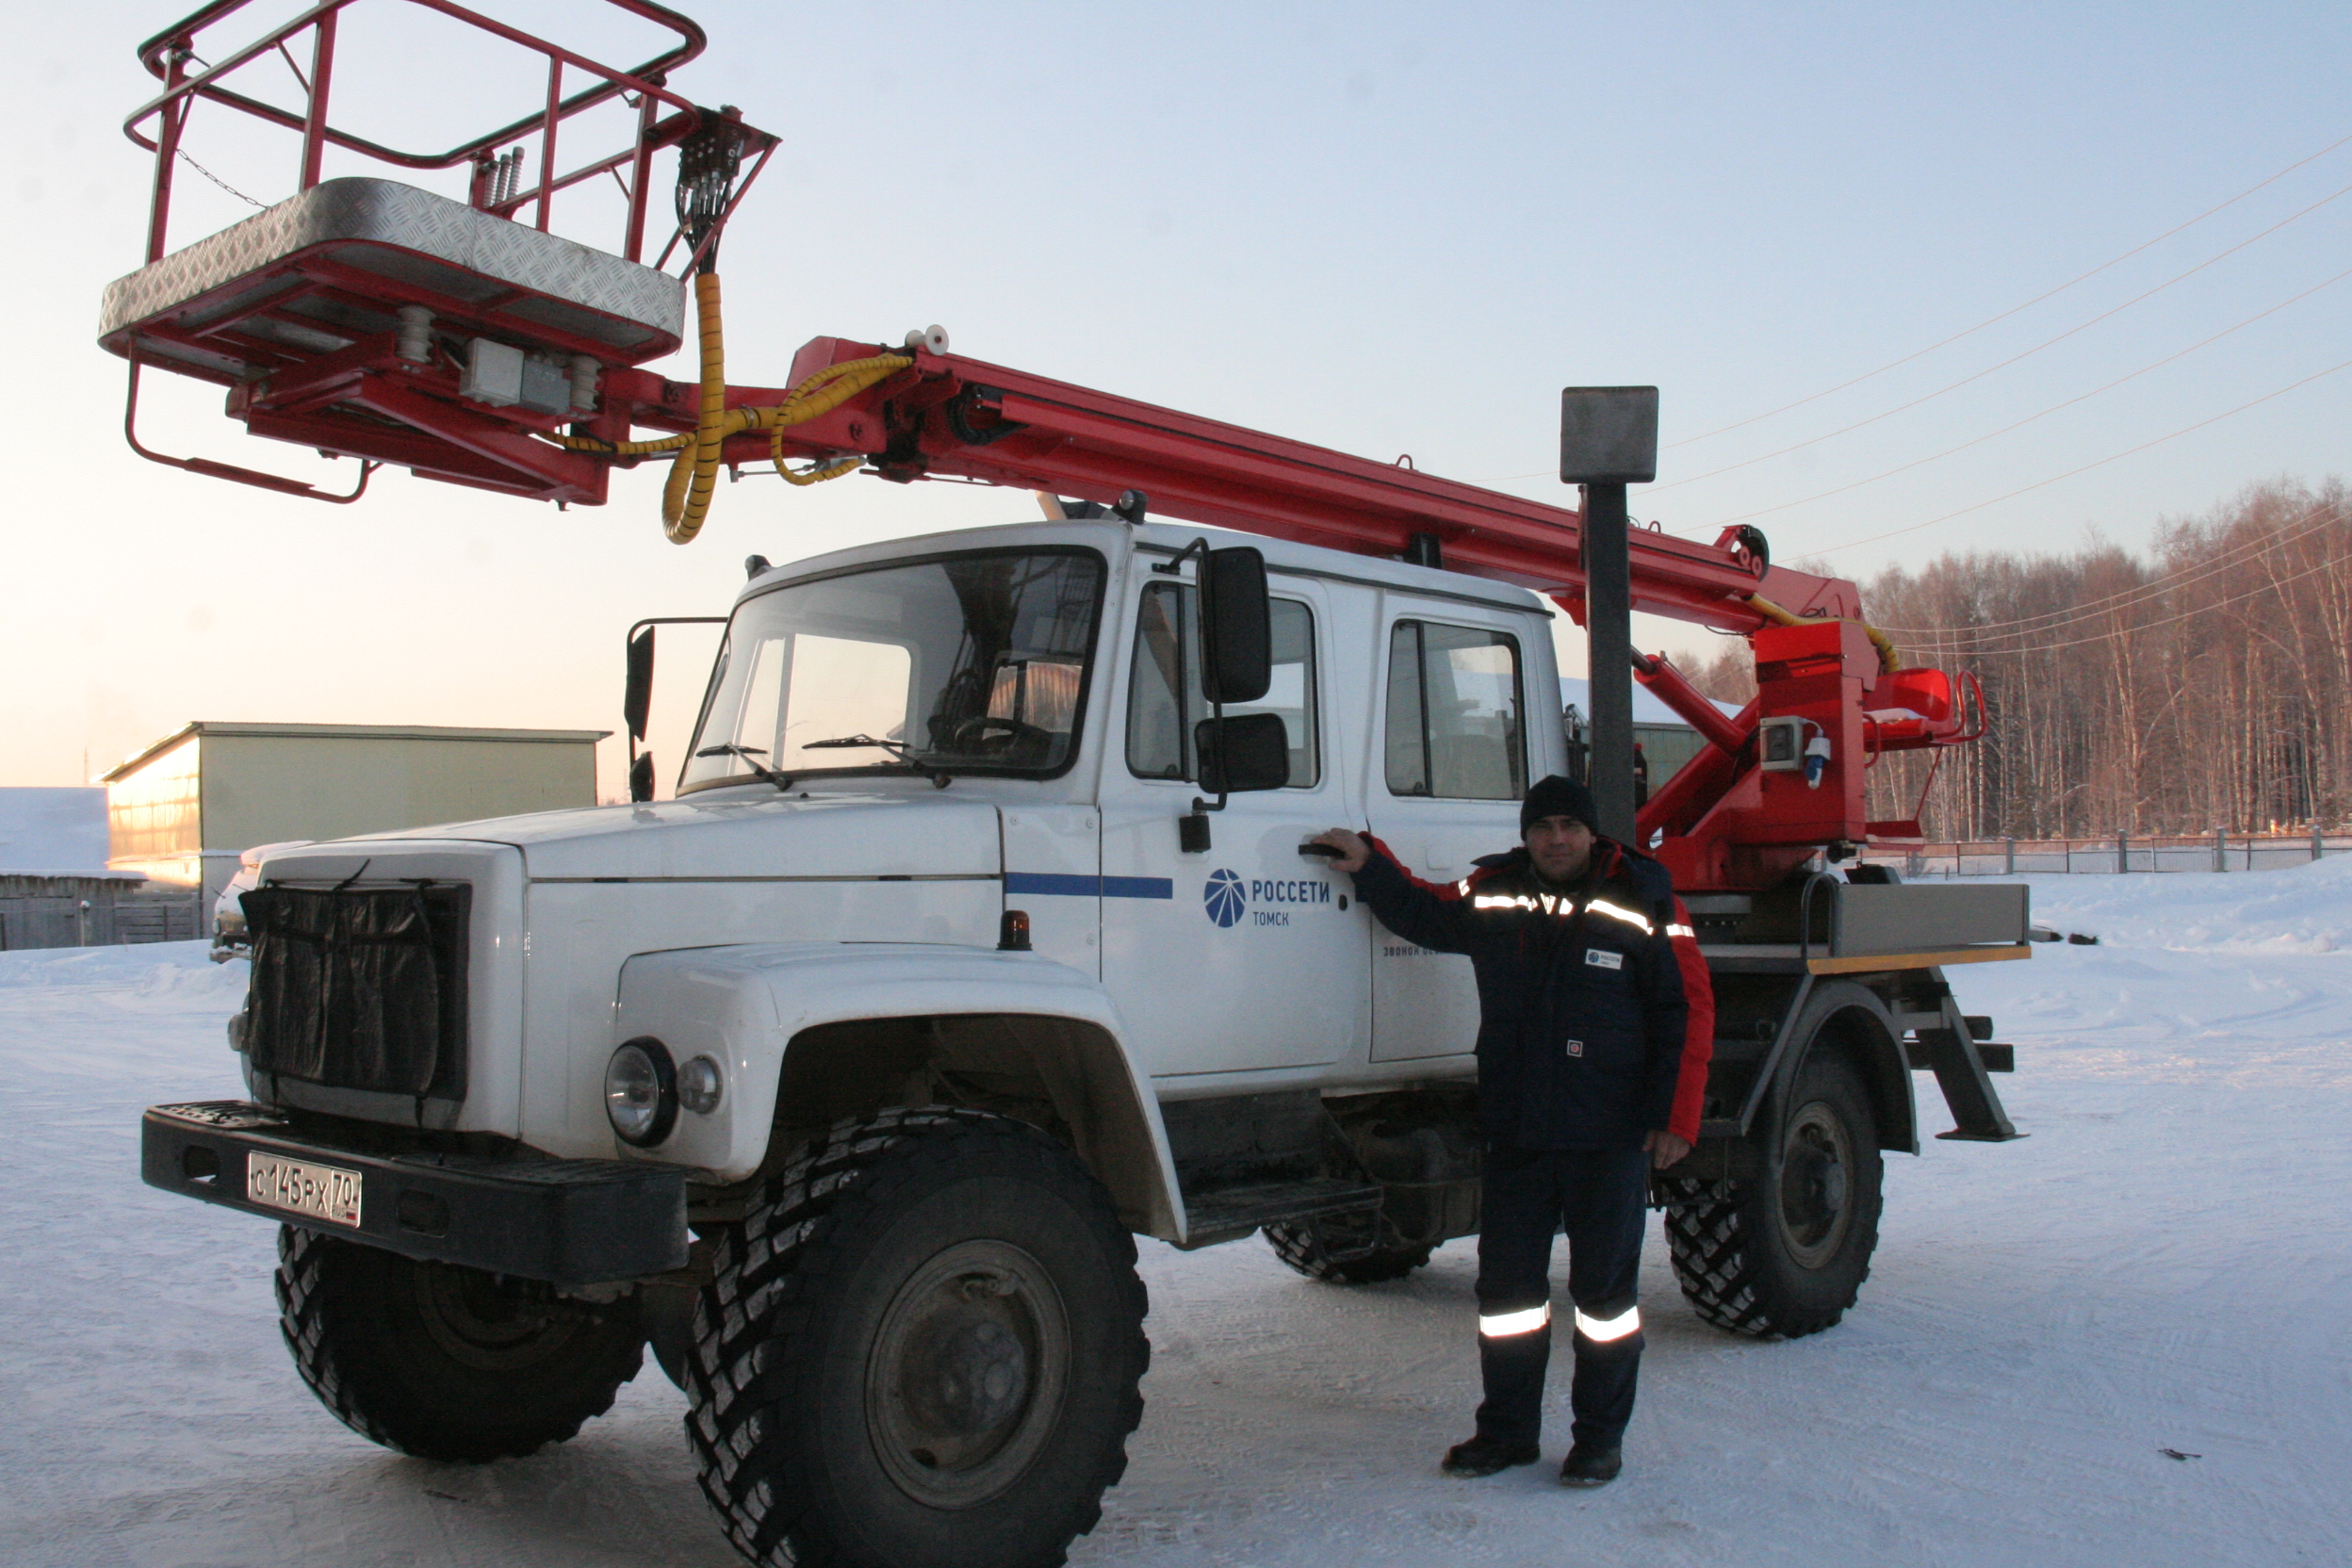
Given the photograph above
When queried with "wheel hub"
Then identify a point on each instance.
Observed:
(482, 1322)
(965, 1380)
(1816, 1154)
(971, 1377)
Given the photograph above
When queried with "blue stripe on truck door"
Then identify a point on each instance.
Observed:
(1089, 887)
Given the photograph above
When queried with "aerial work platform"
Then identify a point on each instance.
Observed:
(330, 267)
(365, 318)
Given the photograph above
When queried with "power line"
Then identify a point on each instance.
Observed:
(2100, 463)
(2037, 299)
(2130, 598)
(2130, 630)
(2155, 364)
(2318, 518)
(2046, 343)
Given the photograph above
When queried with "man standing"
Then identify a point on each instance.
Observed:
(1595, 1026)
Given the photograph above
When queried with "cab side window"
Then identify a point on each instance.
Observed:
(1163, 699)
(1454, 727)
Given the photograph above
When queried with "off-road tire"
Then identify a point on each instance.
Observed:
(835, 1337)
(1754, 1256)
(447, 1362)
(1301, 1248)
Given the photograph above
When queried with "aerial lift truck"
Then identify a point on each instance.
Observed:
(982, 932)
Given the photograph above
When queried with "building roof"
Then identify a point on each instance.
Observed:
(1647, 708)
(351, 732)
(53, 831)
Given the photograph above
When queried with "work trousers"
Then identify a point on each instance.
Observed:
(1598, 1197)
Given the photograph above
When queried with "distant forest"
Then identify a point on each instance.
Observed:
(2206, 683)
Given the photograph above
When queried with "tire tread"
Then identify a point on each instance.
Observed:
(1300, 1248)
(306, 1308)
(768, 1272)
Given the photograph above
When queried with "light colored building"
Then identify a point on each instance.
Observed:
(183, 810)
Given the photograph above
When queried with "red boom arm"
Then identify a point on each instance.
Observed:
(412, 291)
(1729, 819)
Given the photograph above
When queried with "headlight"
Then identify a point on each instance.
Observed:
(700, 1083)
(641, 1092)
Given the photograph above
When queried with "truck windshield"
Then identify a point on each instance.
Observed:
(962, 664)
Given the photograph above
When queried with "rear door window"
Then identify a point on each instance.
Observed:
(1454, 727)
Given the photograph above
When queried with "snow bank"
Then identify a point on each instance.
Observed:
(171, 975)
(2304, 908)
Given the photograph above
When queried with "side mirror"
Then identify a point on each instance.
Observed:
(1239, 755)
(637, 695)
(1237, 631)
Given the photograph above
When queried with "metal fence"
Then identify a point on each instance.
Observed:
(2117, 853)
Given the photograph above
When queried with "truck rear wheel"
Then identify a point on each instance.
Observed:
(920, 1349)
(448, 1362)
(1302, 1248)
(1784, 1255)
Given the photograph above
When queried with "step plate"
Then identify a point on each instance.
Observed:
(1231, 1212)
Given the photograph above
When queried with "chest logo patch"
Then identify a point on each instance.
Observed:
(1575, 1047)
(1602, 958)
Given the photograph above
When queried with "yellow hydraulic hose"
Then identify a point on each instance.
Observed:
(694, 473)
(823, 472)
(1888, 659)
(686, 498)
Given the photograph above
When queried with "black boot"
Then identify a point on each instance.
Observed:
(1484, 1456)
(1589, 1467)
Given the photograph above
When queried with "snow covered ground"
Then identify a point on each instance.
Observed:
(2166, 1263)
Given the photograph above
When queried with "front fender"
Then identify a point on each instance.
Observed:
(744, 1006)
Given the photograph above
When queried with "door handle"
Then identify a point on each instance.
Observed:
(1328, 852)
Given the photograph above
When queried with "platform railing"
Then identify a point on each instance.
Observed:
(496, 186)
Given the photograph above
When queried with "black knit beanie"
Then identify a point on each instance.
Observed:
(1557, 797)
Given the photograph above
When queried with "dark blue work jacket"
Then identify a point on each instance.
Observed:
(1582, 1005)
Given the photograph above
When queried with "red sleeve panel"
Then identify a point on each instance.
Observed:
(1698, 1041)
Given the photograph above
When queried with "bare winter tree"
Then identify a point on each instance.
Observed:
(2205, 684)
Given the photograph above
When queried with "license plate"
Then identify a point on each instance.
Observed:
(321, 1191)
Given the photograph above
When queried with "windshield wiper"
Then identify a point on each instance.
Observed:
(751, 755)
(901, 754)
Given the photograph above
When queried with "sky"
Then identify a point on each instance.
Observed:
(1382, 228)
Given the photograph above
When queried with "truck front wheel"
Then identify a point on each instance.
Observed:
(920, 1349)
(1785, 1255)
(448, 1362)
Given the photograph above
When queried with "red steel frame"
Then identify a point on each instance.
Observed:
(166, 56)
(364, 402)
(1724, 821)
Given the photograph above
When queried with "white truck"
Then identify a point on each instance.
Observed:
(976, 940)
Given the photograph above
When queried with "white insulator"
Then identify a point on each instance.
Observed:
(415, 342)
(584, 369)
(931, 339)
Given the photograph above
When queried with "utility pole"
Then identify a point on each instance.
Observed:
(1608, 440)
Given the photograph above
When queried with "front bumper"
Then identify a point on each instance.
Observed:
(570, 1223)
